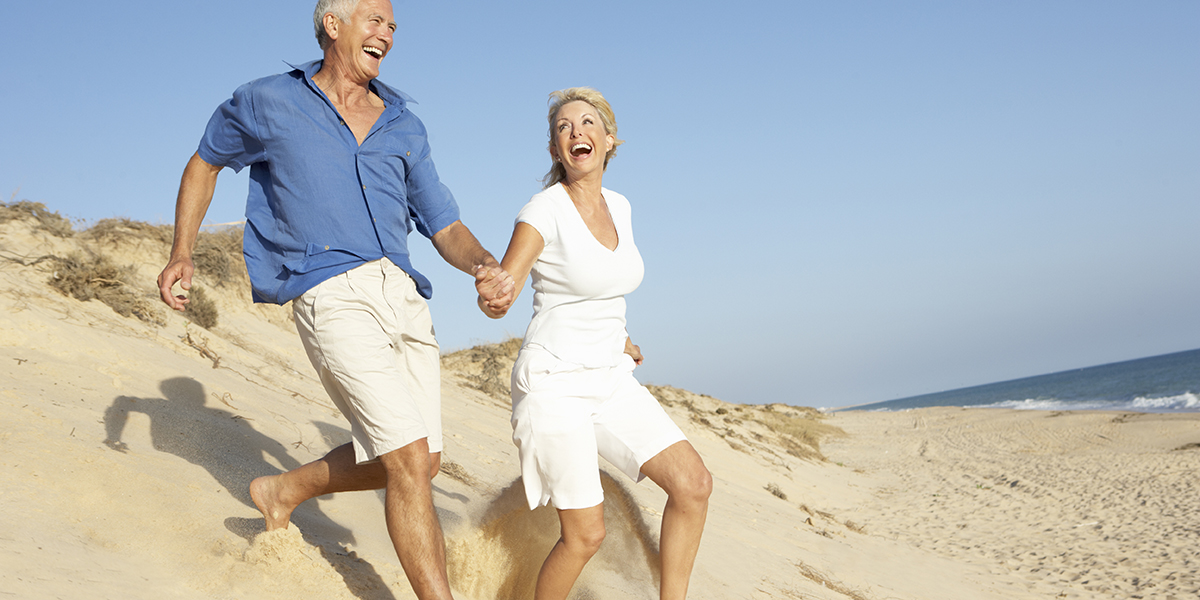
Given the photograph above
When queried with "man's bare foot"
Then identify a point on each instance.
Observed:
(264, 491)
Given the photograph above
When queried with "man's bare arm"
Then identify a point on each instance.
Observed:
(195, 194)
(458, 246)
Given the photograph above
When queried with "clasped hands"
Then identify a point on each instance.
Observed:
(496, 290)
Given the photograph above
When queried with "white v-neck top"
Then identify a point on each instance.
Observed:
(580, 285)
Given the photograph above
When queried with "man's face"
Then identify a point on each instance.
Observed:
(362, 42)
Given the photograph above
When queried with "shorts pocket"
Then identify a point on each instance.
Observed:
(532, 366)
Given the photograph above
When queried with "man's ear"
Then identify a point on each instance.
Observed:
(331, 22)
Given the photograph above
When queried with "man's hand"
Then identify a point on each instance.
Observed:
(458, 246)
(178, 270)
(195, 193)
(495, 287)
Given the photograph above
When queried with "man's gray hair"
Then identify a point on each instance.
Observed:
(342, 9)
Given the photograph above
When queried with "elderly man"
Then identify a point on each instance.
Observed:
(340, 172)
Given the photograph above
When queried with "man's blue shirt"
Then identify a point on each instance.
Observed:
(320, 204)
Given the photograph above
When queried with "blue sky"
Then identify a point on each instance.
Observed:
(837, 202)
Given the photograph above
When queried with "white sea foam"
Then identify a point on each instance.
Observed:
(1055, 404)
(1185, 402)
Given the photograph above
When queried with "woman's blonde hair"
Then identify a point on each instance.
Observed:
(607, 119)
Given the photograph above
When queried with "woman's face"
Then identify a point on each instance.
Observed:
(580, 142)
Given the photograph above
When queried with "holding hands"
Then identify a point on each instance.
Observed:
(496, 290)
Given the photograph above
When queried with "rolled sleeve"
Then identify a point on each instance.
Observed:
(231, 138)
(431, 205)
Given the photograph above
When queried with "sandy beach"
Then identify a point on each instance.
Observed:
(129, 441)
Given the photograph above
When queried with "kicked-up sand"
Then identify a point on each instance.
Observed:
(129, 442)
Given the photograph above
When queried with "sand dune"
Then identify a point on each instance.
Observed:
(129, 441)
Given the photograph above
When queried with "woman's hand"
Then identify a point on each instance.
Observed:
(523, 250)
(490, 310)
(634, 351)
(496, 290)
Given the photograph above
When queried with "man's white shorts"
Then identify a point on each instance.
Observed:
(370, 337)
(565, 414)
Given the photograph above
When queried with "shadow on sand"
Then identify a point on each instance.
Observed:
(234, 453)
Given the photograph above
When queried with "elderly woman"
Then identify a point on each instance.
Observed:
(573, 390)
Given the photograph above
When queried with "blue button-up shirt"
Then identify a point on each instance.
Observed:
(320, 204)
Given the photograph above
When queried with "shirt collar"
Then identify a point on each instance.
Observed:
(390, 95)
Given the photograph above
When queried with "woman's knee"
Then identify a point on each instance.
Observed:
(682, 474)
(584, 538)
(696, 486)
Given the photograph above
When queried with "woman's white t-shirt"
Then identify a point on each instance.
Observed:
(579, 284)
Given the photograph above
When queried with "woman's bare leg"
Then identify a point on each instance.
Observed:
(680, 472)
(582, 532)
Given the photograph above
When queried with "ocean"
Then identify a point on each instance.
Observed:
(1160, 384)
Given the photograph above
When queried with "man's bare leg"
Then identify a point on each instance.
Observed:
(276, 496)
(680, 472)
(412, 521)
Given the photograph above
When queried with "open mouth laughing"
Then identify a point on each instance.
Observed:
(376, 53)
(581, 149)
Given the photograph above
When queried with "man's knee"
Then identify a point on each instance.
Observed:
(411, 462)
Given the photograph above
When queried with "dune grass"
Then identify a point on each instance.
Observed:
(801, 429)
(90, 274)
(94, 277)
(486, 367)
(201, 309)
(46, 220)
